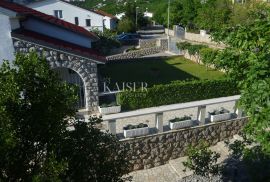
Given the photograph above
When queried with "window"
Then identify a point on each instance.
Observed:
(88, 22)
(76, 21)
(58, 13)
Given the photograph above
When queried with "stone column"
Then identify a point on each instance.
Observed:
(112, 126)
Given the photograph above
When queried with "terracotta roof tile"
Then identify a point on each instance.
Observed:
(103, 13)
(23, 10)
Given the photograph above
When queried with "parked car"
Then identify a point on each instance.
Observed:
(128, 38)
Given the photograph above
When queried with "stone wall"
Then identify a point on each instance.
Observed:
(86, 69)
(204, 39)
(147, 43)
(150, 151)
(161, 46)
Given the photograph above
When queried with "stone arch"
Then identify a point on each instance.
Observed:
(86, 68)
(70, 76)
(87, 72)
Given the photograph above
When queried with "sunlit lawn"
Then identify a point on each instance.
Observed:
(157, 71)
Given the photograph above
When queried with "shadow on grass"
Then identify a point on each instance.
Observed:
(152, 72)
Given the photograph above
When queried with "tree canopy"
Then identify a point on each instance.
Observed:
(36, 109)
(246, 59)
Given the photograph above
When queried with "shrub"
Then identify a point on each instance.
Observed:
(130, 127)
(221, 111)
(192, 49)
(180, 119)
(176, 92)
(126, 25)
(208, 56)
(202, 160)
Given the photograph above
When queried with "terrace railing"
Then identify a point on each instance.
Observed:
(158, 111)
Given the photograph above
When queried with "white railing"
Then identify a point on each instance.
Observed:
(158, 111)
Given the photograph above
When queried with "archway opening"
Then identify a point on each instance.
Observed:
(72, 77)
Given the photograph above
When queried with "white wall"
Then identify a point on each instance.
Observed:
(6, 44)
(69, 13)
(57, 32)
(109, 23)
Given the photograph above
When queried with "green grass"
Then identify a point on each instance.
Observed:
(157, 71)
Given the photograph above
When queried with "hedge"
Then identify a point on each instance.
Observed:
(176, 92)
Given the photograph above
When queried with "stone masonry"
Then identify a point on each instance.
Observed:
(160, 45)
(86, 68)
(155, 150)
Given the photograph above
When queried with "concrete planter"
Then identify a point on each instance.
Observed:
(203, 33)
(136, 132)
(181, 124)
(220, 117)
(109, 110)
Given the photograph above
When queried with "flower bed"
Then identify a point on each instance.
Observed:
(109, 108)
(136, 130)
(182, 122)
(220, 115)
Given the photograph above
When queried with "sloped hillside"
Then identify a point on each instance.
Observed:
(158, 7)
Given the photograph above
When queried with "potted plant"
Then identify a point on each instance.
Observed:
(109, 108)
(136, 130)
(182, 122)
(220, 115)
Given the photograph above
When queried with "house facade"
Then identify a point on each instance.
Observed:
(85, 18)
(109, 21)
(66, 47)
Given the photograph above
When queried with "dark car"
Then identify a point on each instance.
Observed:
(128, 38)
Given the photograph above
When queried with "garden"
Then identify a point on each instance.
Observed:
(157, 71)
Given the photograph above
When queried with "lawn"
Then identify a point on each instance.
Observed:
(157, 71)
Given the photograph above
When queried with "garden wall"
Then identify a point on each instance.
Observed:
(161, 46)
(155, 150)
(147, 43)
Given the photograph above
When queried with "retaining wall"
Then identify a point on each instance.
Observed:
(155, 150)
(161, 46)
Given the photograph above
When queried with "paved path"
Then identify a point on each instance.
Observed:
(161, 54)
(173, 171)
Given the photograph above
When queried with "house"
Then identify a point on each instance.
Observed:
(109, 21)
(66, 47)
(85, 18)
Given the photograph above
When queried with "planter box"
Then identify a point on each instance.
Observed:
(109, 110)
(220, 117)
(203, 33)
(181, 124)
(136, 132)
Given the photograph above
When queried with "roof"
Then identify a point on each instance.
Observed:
(103, 13)
(99, 12)
(58, 44)
(23, 10)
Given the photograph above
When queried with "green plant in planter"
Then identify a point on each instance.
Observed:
(109, 104)
(180, 119)
(130, 126)
(221, 111)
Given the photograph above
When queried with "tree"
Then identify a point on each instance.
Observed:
(202, 160)
(126, 25)
(107, 41)
(189, 13)
(93, 155)
(246, 59)
(213, 14)
(35, 110)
